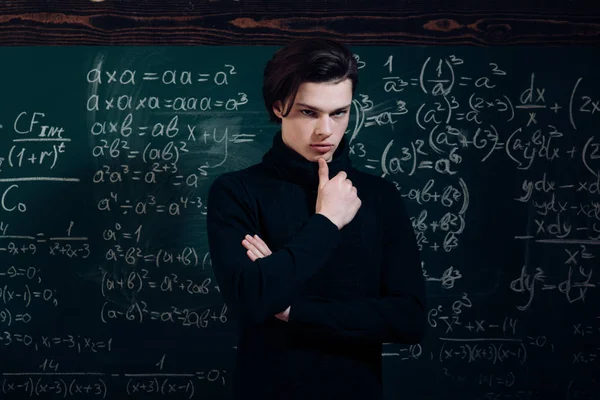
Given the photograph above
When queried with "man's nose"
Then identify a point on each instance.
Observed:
(324, 126)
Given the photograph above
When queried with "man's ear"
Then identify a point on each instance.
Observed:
(278, 109)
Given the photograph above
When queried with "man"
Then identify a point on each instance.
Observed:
(317, 260)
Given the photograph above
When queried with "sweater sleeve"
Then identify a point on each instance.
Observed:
(265, 287)
(398, 316)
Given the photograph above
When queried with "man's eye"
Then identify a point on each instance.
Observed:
(311, 113)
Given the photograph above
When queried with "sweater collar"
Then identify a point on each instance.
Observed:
(293, 167)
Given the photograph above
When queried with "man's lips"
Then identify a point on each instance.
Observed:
(321, 148)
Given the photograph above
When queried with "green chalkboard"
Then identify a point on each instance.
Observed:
(107, 154)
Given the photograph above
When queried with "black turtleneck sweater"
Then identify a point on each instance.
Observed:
(350, 290)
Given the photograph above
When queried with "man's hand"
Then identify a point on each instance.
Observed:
(337, 198)
(257, 248)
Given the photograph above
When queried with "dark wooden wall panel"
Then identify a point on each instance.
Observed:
(253, 22)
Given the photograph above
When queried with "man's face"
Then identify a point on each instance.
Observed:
(318, 119)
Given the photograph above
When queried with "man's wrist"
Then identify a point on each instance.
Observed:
(330, 220)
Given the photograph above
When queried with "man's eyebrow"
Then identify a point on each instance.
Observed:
(318, 109)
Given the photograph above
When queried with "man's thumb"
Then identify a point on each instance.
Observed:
(323, 172)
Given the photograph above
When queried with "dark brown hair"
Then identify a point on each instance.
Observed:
(305, 60)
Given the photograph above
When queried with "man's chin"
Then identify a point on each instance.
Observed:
(315, 158)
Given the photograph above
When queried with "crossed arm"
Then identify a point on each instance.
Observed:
(257, 248)
(328, 318)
